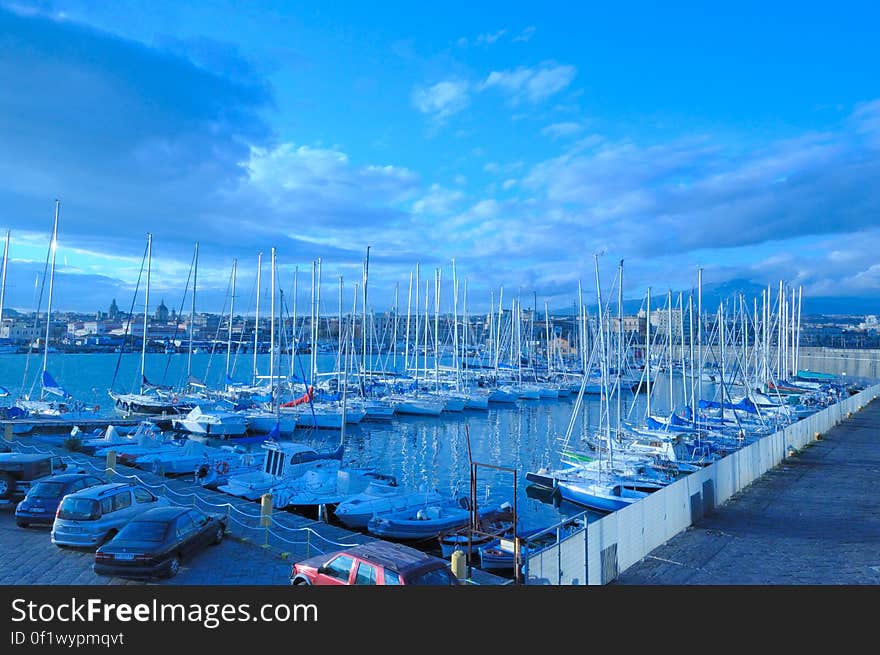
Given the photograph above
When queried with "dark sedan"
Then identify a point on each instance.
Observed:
(44, 496)
(156, 542)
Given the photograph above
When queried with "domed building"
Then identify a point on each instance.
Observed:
(162, 312)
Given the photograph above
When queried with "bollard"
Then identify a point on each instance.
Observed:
(266, 511)
(110, 467)
(817, 436)
(458, 563)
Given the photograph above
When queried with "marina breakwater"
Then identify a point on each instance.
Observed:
(599, 553)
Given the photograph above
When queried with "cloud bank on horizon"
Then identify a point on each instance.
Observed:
(507, 148)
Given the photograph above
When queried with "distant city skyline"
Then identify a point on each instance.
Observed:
(516, 140)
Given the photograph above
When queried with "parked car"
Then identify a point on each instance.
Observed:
(157, 541)
(19, 470)
(92, 516)
(42, 499)
(373, 563)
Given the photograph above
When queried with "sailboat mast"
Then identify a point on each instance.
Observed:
(582, 333)
(456, 362)
(364, 312)
(604, 354)
(425, 344)
(3, 277)
(498, 327)
(648, 352)
(54, 247)
(147, 310)
(669, 347)
(547, 335)
(699, 335)
(408, 303)
(231, 314)
(691, 343)
(192, 314)
(797, 344)
(396, 321)
(317, 325)
(257, 316)
(437, 329)
(619, 345)
(339, 336)
(272, 327)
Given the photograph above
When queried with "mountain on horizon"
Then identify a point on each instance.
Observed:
(714, 293)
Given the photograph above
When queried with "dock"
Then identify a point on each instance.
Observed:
(814, 519)
(62, 426)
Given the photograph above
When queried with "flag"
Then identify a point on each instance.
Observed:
(50, 386)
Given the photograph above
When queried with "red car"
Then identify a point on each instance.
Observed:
(373, 563)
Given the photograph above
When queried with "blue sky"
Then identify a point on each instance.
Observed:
(518, 139)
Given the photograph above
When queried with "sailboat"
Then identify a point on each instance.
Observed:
(62, 405)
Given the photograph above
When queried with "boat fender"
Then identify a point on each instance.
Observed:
(222, 467)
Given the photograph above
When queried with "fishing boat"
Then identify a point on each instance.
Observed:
(215, 423)
(324, 483)
(426, 522)
(282, 460)
(382, 496)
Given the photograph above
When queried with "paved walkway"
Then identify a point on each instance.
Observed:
(813, 519)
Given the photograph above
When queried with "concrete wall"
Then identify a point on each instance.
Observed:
(622, 538)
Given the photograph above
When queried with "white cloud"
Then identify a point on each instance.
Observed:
(560, 130)
(443, 99)
(508, 184)
(525, 35)
(437, 202)
(531, 84)
(490, 38)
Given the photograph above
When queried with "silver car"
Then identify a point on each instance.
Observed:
(92, 516)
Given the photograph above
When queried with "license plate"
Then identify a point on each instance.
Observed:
(126, 557)
(36, 509)
(72, 530)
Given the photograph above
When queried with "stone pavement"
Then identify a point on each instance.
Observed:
(812, 520)
(28, 557)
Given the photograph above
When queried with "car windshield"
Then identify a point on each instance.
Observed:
(79, 509)
(46, 490)
(153, 531)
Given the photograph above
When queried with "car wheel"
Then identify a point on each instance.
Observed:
(173, 567)
(301, 582)
(7, 483)
(22, 524)
(218, 536)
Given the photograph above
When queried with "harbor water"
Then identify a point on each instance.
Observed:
(417, 450)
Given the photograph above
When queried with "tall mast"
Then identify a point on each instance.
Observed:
(364, 310)
(437, 329)
(619, 345)
(257, 316)
(691, 342)
(54, 247)
(669, 347)
(681, 348)
(699, 335)
(465, 324)
(146, 309)
(192, 314)
(498, 326)
(547, 334)
(797, 345)
(604, 359)
(425, 345)
(396, 321)
(779, 338)
(317, 324)
(272, 328)
(648, 352)
(408, 303)
(3, 277)
(295, 333)
(582, 334)
(231, 314)
(456, 362)
(339, 335)
(417, 333)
